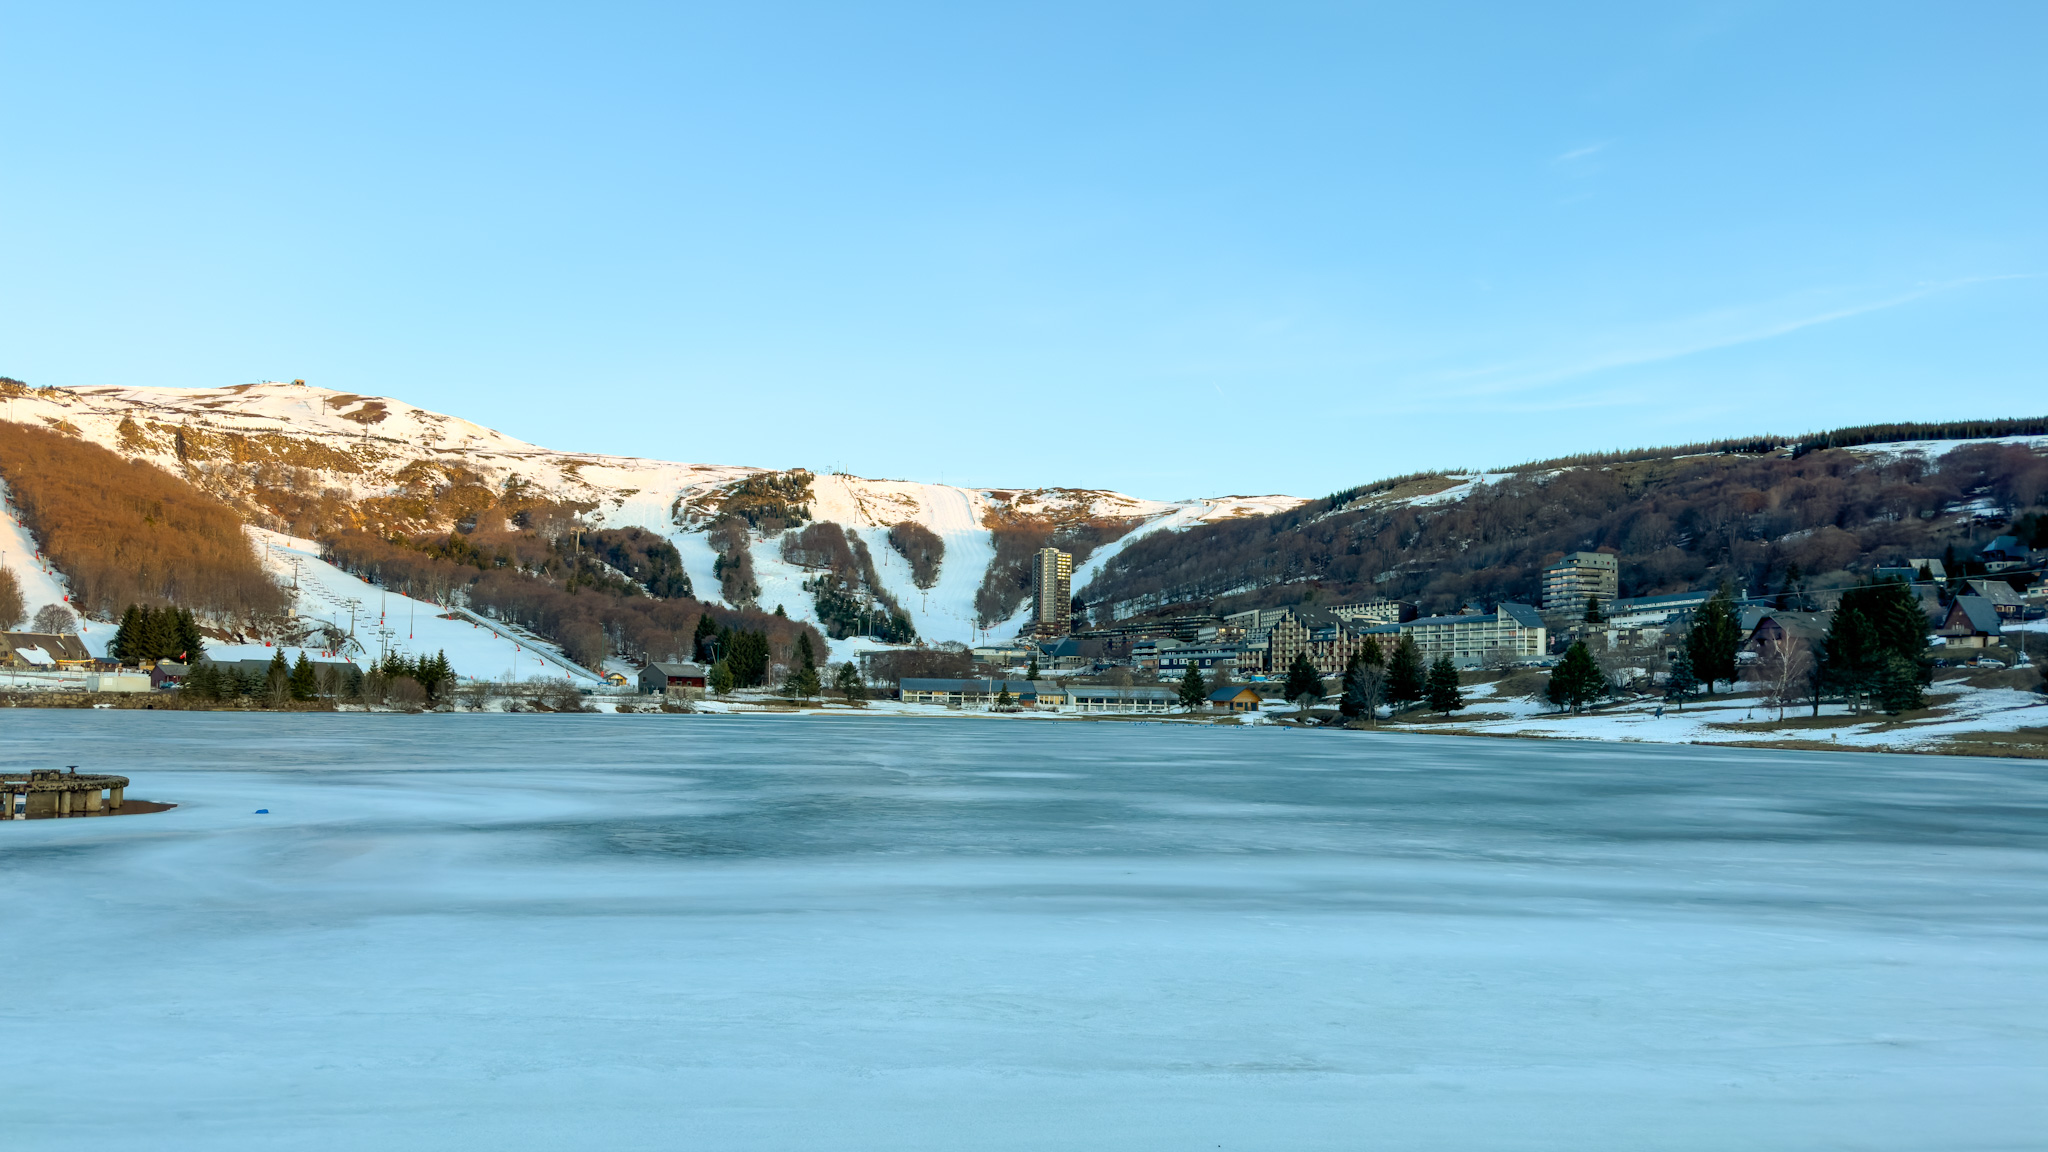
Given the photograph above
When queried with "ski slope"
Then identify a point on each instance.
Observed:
(383, 621)
(40, 584)
(371, 445)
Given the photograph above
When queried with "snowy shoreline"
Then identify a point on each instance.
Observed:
(1961, 719)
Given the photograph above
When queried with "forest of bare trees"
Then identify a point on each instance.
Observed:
(922, 547)
(533, 588)
(126, 533)
(1677, 522)
(1007, 583)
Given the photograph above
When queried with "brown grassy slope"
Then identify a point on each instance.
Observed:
(127, 533)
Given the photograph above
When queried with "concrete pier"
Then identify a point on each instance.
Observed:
(47, 793)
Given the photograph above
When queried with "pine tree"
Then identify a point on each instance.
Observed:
(304, 685)
(1854, 653)
(847, 681)
(1003, 698)
(434, 673)
(1593, 610)
(1404, 673)
(1682, 683)
(191, 642)
(278, 681)
(1715, 636)
(160, 627)
(126, 645)
(721, 678)
(1304, 684)
(1442, 689)
(701, 642)
(1194, 691)
(1576, 681)
(202, 682)
(802, 682)
(1031, 673)
(1898, 685)
(1790, 592)
(804, 653)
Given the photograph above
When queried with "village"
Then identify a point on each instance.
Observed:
(1487, 669)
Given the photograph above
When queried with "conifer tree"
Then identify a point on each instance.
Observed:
(804, 653)
(277, 682)
(1715, 636)
(1442, 690)
(1682, 683)
(1576, 681)
(203, 682)
(434, 673)
(126, 645)
(700, 643)
(802, 682)
(304, 685)
(847, 681)
(721, 678)
(1898, 685)
(1003, 697)
(1854, 653)
(1194, 691)
(1404, 673)
(1304, 684)
(191, 642)
(160, 627)
(1593, 610)
(1031, 673)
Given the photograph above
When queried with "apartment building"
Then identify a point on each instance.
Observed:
(1053, 592)
(1568, 583)
(1510, 632)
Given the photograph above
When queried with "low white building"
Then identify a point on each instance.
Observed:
(1104, 698)
(1511, 631)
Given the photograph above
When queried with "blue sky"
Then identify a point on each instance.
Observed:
(1172, 249)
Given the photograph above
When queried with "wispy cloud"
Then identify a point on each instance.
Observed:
(1725, 328)
(1580, 153)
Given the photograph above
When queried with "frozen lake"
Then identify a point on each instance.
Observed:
(693, 932)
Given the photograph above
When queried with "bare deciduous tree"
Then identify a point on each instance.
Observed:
(1781, 671)
(54, 619)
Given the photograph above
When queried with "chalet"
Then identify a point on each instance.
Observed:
(1773, 629)
(2002, 553)
(685, 681)
(1236, 698)
(46, 650)
(2009, 604)
(167, 674)
(1062, 654)
(1935, 569)
(1972, 622)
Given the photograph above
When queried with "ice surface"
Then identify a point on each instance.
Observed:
(726, 933)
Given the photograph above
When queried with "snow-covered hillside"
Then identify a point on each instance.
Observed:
(365, 447)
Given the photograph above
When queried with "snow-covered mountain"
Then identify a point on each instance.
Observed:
(371, 449)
